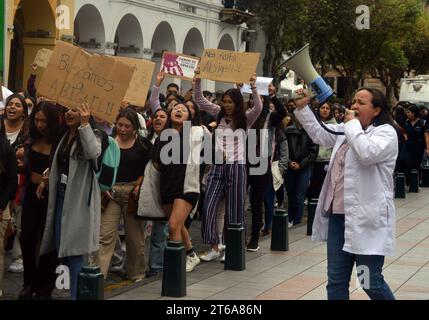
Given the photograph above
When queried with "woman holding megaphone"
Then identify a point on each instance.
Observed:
(356, 212)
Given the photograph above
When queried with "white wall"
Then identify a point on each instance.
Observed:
(151, 13)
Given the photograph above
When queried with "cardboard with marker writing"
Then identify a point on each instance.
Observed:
(141, 80)
(100, 81)
(228, 66)
(57, 70)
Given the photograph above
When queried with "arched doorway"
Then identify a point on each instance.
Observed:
(193, 46)
(31, 33)
(129, 37)
(89, 29)
(225, 43)
(163, 40)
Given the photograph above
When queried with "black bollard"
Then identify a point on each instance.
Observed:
(174, 273)
(400, 186)
(235, 258)
(414, 181)
(280, 231)
(311, 213)
(425, 177)
(90, 285)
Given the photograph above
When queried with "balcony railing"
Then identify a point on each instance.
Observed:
(235, 12)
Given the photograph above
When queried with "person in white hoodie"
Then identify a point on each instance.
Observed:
(356, 212)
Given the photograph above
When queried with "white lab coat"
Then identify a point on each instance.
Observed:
(370, 219)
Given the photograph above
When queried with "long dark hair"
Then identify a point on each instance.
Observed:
(21, 99)
(379, 100)
(259, 123)
(400, 116)
(4, 145)
(152, 130)
(196, 119)
(331, 110)
(54, 128)
(131, 115)
(169, 123)
(239, 116)
(78, 153)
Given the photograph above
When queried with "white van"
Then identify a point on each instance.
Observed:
(415, 90)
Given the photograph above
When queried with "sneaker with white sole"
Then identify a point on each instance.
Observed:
(290, 225)
(211, 255)
(17, 266)
(192, 262)
(221, 247)
(253, 246)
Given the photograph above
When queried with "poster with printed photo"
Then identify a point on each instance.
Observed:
(179, 66)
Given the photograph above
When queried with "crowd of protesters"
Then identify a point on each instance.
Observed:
(51, 200)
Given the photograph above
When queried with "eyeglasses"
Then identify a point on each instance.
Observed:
(180, 107)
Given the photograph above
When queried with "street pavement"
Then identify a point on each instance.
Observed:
(299, 274)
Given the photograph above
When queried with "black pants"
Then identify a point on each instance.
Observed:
(317, 177)
(258, 185)
(409, 160)
(39, 271)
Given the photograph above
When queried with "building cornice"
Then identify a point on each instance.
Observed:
(208, 8)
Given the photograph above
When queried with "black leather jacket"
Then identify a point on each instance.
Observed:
(301, 148)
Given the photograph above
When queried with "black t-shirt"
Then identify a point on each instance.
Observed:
(416, 140)
(133, 161)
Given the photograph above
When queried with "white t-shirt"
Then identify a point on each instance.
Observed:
(6, 93)
(12, 136)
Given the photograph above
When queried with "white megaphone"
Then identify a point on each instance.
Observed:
(300, 63)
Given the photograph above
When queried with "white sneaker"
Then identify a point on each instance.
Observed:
(221, 247)
(290, 225)
(192, 262)
(211, 255)
(17, 266)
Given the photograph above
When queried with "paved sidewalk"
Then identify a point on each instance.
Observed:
(300, 274)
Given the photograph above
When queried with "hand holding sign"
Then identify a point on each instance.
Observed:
(160, 78)
(261, 83)
(85, 114)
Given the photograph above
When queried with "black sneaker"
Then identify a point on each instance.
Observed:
(253, 246)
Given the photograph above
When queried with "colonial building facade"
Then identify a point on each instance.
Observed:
(131, 28)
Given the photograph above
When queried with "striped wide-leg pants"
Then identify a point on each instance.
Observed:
(229, 180)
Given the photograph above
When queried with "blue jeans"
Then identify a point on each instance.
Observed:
(296, 182)
(158, 242)
(340, 267)
(74, 263)
(269, 200)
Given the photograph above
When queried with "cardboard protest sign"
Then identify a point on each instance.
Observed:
(100, 81)
(59, 66)
(179, 65)
(262, 85)
(42, 58)
(228, 66)
(74, 76)
(141, 80)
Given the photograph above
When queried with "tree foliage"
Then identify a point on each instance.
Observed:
(397, 39)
